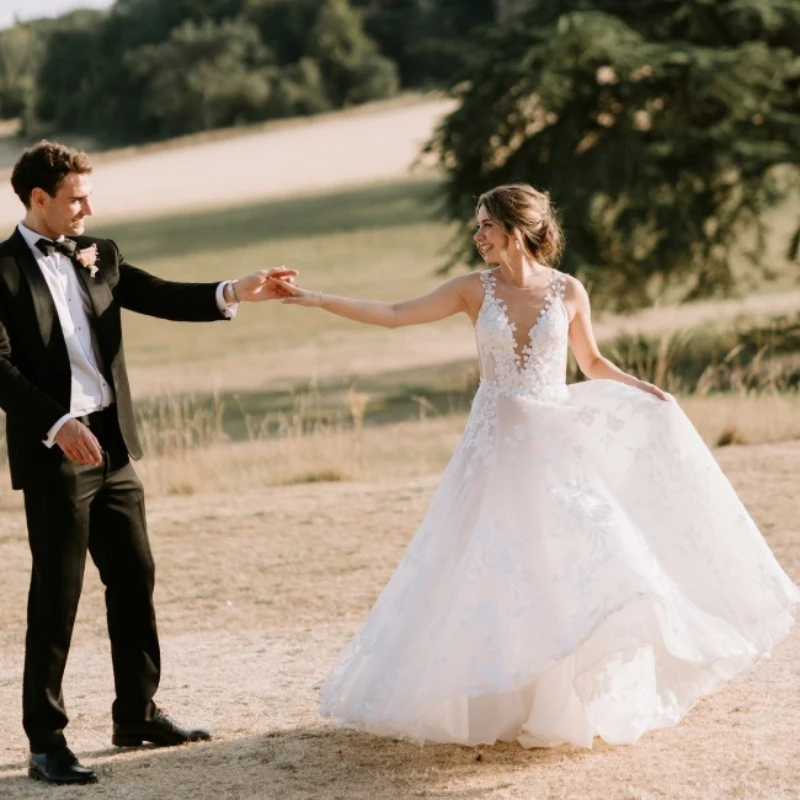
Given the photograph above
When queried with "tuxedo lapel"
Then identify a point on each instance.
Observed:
(43, 305)
(96, 288)
(106, 325)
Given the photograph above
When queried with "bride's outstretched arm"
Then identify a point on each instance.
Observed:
(593, 364)
(446, 300)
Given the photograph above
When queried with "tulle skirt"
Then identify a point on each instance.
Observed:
(585, 569)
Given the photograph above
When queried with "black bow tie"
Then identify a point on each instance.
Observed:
(65, 246)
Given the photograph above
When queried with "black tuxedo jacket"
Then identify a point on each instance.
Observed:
(35, 379)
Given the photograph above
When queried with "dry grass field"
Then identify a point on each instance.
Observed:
(292, 455)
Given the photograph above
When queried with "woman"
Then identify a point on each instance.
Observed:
(585, 568)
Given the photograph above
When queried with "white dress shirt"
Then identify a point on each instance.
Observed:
(90, 391)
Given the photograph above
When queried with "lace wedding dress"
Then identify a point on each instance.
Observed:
(585, 568)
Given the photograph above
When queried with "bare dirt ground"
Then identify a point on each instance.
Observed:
(376, 142)
(258, 592)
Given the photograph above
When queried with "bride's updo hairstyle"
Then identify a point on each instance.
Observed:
(519, 205)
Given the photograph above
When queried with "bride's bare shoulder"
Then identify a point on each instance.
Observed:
(574, 290)
(470, 284)
(471, 288)
(576, 299)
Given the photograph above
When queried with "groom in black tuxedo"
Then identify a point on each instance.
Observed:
(71, 435)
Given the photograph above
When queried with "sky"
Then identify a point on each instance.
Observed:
(34, 9)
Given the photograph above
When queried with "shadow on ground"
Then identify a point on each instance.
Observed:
(303, 763)
(384, 205)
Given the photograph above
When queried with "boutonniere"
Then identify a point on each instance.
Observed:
(87, 258)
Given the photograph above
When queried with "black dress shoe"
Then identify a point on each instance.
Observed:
(59, 766)
(160, 731)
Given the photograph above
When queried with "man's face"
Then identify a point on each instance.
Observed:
(64, 214)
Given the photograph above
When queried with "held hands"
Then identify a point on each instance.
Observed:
(79, 443)
(266, 284)
(288, 293)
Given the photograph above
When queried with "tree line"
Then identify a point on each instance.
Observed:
(149, 69)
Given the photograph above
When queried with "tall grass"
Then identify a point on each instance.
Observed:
(190, 452)
(308, 443)
(305, 447)
(731, 357)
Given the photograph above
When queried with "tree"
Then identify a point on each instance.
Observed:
(285, 26)
(299, 89)
(657, 127)
(19, 62)
(205, 75)
(427, 39)
(353, 69)
(68, 82)
(146, 69)
(326, 58)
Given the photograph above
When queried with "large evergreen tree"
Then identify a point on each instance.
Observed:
(658, 126)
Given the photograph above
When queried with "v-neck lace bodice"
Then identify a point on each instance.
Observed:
(541, 366)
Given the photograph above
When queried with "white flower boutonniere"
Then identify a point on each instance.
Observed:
(88, 258)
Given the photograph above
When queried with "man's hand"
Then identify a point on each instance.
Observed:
(259, 286)
(79, 443)
(296, 295)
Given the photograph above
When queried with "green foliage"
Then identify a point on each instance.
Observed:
(346, 55)
(430, 40)
(656, 126)
(153, 68)
(285, 25)
(300, 90)
(19, 57)
(97, 73)
(206, 75)
(372, 78)
(68, 92)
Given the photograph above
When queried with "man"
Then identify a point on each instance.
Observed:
(70, 433)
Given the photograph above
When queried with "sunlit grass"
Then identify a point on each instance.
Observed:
(380, 241)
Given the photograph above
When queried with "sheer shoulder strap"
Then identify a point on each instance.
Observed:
(559, 285)
(488, 281)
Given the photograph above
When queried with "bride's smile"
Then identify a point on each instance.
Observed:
(490, 240)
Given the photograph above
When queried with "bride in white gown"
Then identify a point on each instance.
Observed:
(585, 568)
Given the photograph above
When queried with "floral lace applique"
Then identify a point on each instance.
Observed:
(537, 373)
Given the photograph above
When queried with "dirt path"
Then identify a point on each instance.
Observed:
(258, 593)
(375, 143)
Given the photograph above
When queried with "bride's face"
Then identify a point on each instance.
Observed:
(490, 238)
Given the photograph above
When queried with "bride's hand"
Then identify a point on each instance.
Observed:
(296, 295)
(651, 388)
(260, 285)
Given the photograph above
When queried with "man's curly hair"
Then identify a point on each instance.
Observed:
(44, 166)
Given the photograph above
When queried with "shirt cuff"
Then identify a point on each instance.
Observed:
(228, 311)
(53, 432)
